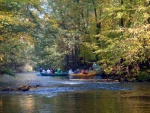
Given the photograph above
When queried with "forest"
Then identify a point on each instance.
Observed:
(76, 33)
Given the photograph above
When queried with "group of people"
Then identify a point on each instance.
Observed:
(83, 71)
(50, 71)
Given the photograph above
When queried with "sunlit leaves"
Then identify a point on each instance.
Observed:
(129, 41)
(104, 31)
(16, 28)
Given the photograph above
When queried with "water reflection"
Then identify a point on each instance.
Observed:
(92, 101)
(27, 103)
(98, 102)
(64, 96)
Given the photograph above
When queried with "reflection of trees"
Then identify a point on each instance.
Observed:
(87, 102)
(135, 101)
(27, 103)
(101, 102)
(1, 103)
(16, 104)
(94, 101)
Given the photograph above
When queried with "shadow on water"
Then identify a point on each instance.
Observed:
(60, 95)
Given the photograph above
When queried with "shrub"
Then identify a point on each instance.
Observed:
(143, 76)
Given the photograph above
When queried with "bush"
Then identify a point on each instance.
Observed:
(143, 76)
(7, 71)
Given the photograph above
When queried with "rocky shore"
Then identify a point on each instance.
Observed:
(21, 88)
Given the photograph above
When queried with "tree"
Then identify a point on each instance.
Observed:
(16, 27)
(124, 36)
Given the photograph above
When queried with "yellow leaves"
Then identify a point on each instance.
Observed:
(52, 21)
(89, 45)
(139, 31)
(5, 17)
(148, 35)
(119, 15)
(24, 38)
(55, 25)
(1, 57)
(1, 16)
(28, 39)
(2, 38)
(146, 15)
(1, 26)
(8, 18)
(22, 1)
(141, 8)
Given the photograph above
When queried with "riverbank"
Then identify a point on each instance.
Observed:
(140, 78)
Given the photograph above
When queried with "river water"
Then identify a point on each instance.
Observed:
(61, 95)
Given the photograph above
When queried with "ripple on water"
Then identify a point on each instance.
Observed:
(51, 86)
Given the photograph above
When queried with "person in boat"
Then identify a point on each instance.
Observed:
(70, 71)
(84, 71)
(44, 71)
(58, 71)
(40, 70)
(90, 68)
(48, 70)
(94, 64)
(76, 71)
(52, 70)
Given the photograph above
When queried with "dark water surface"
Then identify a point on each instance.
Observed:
(61, 95)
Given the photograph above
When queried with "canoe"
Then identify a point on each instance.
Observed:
(54, 74)
(90, 73)
(83, 76)
(39, 74)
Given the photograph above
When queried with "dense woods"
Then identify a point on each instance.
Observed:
(76, 33)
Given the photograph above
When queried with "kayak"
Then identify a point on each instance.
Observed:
(54, 74)
(83, 76)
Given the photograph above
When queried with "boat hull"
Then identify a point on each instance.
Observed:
(83, 76)
(55, 74)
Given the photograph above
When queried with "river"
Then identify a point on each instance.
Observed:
(61, 95)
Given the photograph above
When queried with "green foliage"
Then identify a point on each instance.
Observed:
(15, 34)
(124, 35)
(107, 31)
(7, 71)
(63, 33)
(143, 76)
